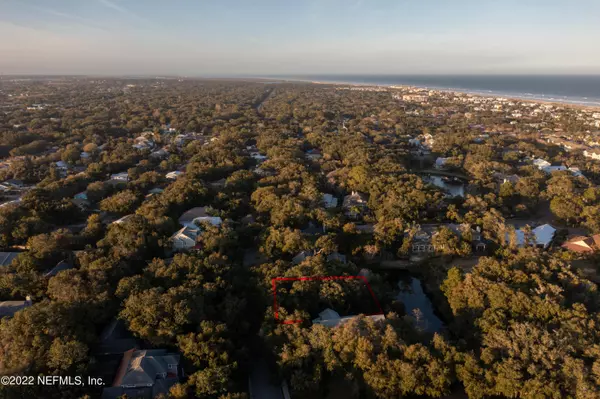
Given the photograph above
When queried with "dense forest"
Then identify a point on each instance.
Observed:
(98, 173)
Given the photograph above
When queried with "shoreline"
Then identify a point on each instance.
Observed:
(589, 105)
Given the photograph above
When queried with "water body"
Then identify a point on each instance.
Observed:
(453, 190)
(574, 89)
(412, 296)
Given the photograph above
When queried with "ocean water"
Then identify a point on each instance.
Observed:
(574, 89)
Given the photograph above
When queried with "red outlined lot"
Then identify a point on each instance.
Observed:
(274, 282)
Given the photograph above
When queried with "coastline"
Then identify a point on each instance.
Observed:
(523, 97)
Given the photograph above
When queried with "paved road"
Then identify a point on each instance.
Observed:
(261, 383)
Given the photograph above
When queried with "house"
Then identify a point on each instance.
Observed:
(258, 157)
(198, 215)
(512, 179)
(336, 257)
(415, 98)
(9, 203)
(14, 183)
(156, 190)
(218, 184)
(331, 318)
(414, 142)
(541, 163)
(594, 154)
(182, 139)
(542, 235)
(551, 169)
(576, 172)
(62, 265)
(302, 256)
(5, 187)
(185, 238)
(313, 229)
(62, 165)
(9, 308)
(82, 204)
(583, 244)
(82, 195)
(354, 204)
(365, 273)
(144, 374)
(123, 176)
(314, 154)
(422, 238)
(365, 228)
(329, 201)
(214, 220)
(264, 172)
(192, 214)
(174, 174)
(429, 141)
(6, 258)
(123, 219)
(144, 141)
(115, 339)
(85, 155)
(159, 154)
(440, 162)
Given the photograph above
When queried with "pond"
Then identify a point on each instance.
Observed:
(453, 190)
(416, 303)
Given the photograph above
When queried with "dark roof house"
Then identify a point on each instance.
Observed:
(62, 265)
(9, 308)
(6, 258)
(144, 374)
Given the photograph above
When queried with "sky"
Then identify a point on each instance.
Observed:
(292, 37)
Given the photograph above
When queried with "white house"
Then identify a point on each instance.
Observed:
(174, 175)
(85, 155)
(214, 220)
(197, 216)
(258, 157)
(592, 154)
(331, 318)
(123, 176)
(541, 163)
(185, 238)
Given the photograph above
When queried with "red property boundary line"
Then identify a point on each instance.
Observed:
(318, 278)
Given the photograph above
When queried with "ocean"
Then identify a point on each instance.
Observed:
(573, 89)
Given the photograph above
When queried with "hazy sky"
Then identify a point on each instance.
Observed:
(261, 37)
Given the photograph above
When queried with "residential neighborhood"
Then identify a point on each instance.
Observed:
(232, 239)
